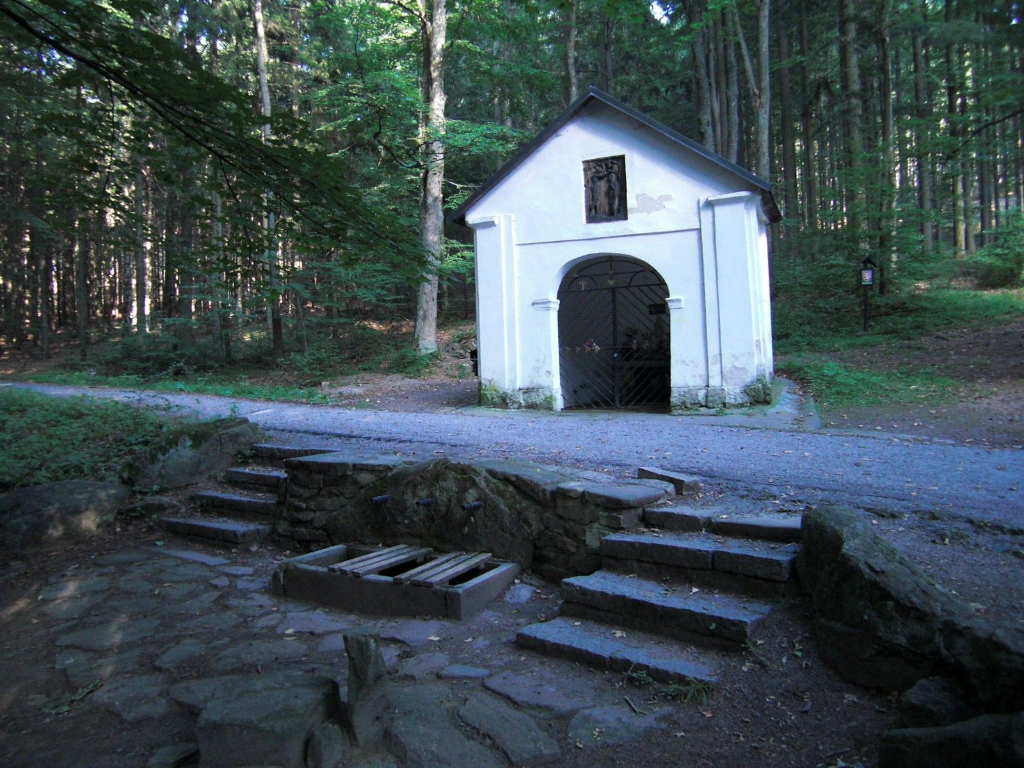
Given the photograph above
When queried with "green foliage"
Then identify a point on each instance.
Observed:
(638, 678)
(837, 386)
(409, 362)
(694, 692)
(1001, 263)
(48, 439)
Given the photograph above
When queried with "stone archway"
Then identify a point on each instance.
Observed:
(613, 335)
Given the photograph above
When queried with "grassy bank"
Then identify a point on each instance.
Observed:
(57, 438)
(810, 346)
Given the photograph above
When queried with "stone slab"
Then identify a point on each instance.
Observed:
(134, 699)
(257, 653)
(180, 654)
(194, 695)
(463, 672)
(685, 485)
(111, 634)
(191, 556)
(68, 587)
(314, 623)
(421, 734)
(121, 558)
(627, 494)
(73, 607)
(515, 732)
(617, 650)
(773, 565)
(257, 504)
(609, 726)
(172, 756)
(720, 616)
(537, 692)
(681, 519)
(83, 669)
(243, 726)
(279, 451)
(412, 632)
(223, 531)
(660, 548)
(264, 478)
(767, 528)
(423, 666)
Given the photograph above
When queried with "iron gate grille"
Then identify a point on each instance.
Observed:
(613, 336)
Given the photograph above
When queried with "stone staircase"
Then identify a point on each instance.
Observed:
(670, 598)
(240, 513)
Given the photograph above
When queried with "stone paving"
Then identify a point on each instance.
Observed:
(154, 636)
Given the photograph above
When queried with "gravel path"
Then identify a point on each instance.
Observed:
(792, 466)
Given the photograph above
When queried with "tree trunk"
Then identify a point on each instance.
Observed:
(887, 189)
(700, 58)
(922, 97)
(570, 50)
(759, 83)
(854, 116)
(788, 134)
(82, 256)
(810, 174)
(431, 202)
(269, 219)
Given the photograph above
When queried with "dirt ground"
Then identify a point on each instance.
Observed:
(989, 362)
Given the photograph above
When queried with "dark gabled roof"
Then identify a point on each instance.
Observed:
(594, 94)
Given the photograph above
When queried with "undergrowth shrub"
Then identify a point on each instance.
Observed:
(51, 438)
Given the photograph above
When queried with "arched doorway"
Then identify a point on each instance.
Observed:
(613, 335)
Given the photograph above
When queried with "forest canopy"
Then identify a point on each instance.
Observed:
(219, 165)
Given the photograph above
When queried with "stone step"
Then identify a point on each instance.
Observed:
(758, 569)
(692, 520)
(665, 609)
(607, 647)
(276, 453)
(252, 477)
(695, 552)
(229, 532)
(261, 506)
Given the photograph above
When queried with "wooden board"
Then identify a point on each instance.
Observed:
(375, 562)
(451, 570)
(431, 565)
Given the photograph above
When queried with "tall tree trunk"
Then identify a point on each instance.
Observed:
(570, 51)
(269, 220)
(759, 83)
(922, 97)
(887, 188)
(82, 256)
(699, 48)
(435, 29)
(854, 116)
(810, 174)
(140, 252)
(788, 134)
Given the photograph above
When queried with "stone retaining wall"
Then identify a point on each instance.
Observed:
(548, 519)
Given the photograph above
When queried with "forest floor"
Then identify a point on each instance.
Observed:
(983, 402)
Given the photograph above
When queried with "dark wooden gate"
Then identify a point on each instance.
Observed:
(613, 335)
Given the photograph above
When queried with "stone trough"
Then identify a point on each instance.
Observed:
(403, 580)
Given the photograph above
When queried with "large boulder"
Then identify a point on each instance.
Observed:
(878, 614)
(990, 740)
(54, 512)
(883, 622)
(989, 658)
(189, 453)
